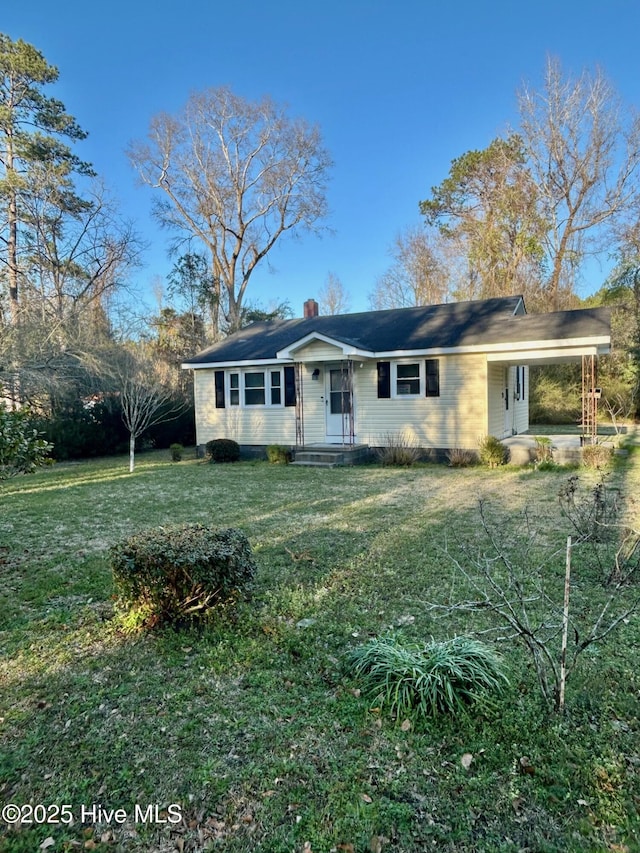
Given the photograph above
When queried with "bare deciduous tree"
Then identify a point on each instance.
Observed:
(584, 151)
(237, 175)
(529, 601)
(418, 275)
(76, 257)
(333, 298)
(144, 398)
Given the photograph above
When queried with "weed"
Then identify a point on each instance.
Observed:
(596, 455)
(398, 449)
(459, 457)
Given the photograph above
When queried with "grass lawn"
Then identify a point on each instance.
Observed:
(255, 730)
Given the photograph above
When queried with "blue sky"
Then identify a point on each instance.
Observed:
(398, 87)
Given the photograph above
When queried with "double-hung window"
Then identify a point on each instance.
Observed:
(408, 379)
(276, 388)
(254, 388)
(412, 379)
(247, 388)
(234, 389)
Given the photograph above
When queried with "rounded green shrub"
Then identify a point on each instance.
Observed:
(22, 448)
(278, 454)
(431, 679)
(223, 450)
(176, 451)
(178, 574)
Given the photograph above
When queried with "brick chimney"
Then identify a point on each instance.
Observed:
(310, 309)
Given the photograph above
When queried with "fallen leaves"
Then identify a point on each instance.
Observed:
(526, 766)
(466, 760)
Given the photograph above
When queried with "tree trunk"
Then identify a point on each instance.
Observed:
(12, 241)
(132, 452)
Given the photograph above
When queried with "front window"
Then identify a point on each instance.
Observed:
(276, 388)
(234, 389)
(408, 379)
(254, 391)
(248, 388)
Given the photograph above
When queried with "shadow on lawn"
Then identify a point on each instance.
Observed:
(255, 718)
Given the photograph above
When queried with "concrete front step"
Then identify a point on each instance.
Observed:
(331, 457)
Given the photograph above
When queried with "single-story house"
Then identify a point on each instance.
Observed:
(441, 375)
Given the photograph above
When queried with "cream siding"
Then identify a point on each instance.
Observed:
(454, 419)
(470, 404)
(318, 351)
(252, 425)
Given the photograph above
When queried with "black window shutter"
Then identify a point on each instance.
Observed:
(219, 379)
(289, 385)
(384, 379)
(433, 377)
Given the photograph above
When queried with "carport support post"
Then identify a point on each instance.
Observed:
(589, 400)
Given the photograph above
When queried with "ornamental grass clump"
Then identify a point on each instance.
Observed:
(492, 451)
(398, 449)
(431, 679)
(175, 575)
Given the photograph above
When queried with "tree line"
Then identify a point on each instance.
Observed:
(231, 178)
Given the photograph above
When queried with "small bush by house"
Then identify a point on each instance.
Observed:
(596, 455)
(223, 450)
(278, 454)
(176, 451)
(492, 451)
(172, 575)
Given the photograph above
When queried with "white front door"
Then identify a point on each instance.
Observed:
(338, 405)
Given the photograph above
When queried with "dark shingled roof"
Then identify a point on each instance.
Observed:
(489, 321)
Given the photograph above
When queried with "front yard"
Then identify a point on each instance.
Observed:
(253, 734)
